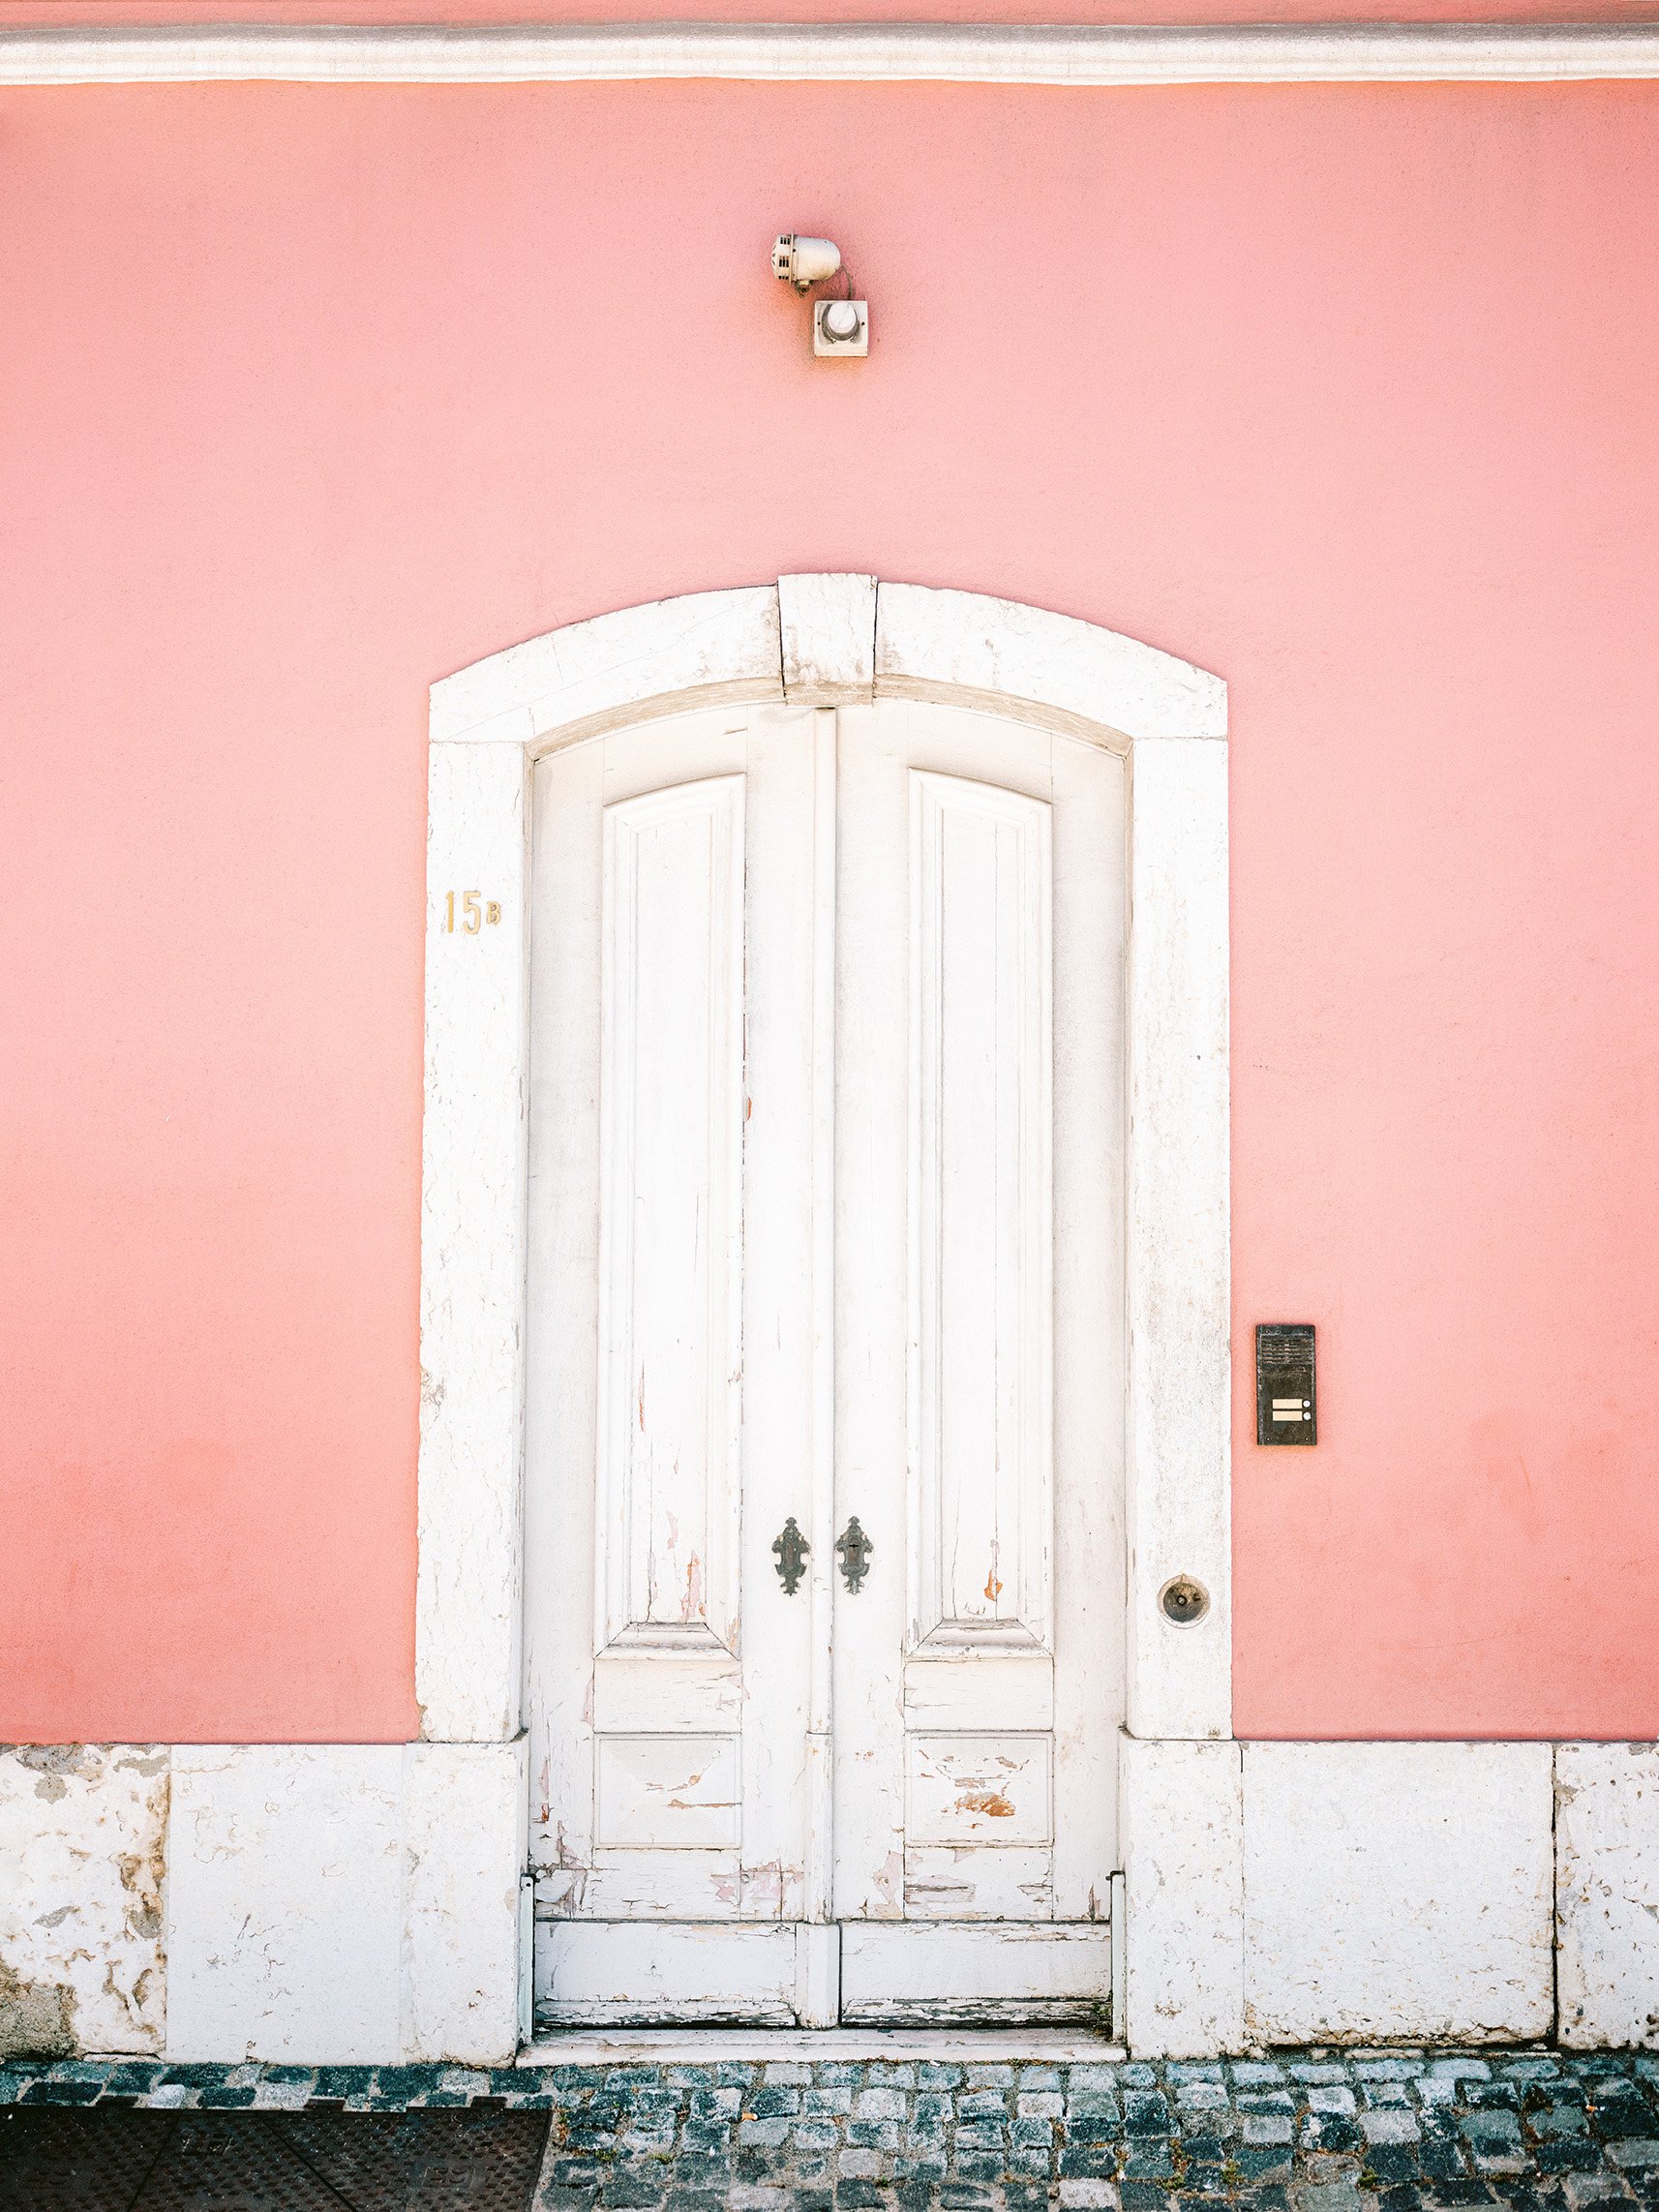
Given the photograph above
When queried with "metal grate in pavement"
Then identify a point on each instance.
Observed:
(421, 2162)
(116, 2160)
(78, 2162)
(226, 2163)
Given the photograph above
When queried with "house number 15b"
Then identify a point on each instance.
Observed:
(474, 912)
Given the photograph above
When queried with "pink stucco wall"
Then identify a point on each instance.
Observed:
(311, 396)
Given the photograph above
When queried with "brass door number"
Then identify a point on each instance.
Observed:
(475, 911)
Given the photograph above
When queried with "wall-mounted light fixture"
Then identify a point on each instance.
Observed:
(838, 326)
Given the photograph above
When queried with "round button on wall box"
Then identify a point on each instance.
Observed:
(841, 326)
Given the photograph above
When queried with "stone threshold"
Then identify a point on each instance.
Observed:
(716, 2046)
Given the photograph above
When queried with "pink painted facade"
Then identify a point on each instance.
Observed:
(316, 394)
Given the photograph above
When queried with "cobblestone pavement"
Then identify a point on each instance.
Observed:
(1309, 2132)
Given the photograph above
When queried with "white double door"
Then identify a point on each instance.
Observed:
(826, 1205)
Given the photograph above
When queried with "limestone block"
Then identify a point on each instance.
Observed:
(1607, 1894)
(285, 1906)
(466, 1814)
(1183, 1904)
(1396, 1890)
(1011, 656)
(695, 650)
(341, 1905)
(829, 637)
(82, 1838)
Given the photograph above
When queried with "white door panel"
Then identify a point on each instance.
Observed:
(669, 1792)
(872, 1304)
(1001, 1689)
(980, 1789)
(1031, 1974)
(950, 1882)
(980, 1303)
(671, 1357)
(827, 1140)
(981, 986)
(671, 1225)
(600, 1974)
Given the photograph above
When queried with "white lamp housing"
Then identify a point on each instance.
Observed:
(804, 262)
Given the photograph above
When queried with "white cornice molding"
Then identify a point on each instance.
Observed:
(946, 53)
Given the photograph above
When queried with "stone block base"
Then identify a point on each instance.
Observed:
(359, 1904)
(334, 1904)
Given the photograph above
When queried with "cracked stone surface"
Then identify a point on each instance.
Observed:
(1386, 2130)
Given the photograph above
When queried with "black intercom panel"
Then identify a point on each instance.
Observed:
(1287, 1410)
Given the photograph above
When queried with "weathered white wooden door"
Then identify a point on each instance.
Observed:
(826, 1210)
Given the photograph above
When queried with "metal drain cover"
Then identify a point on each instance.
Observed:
(420, 2162)
(54, 2159)
(228, 2163)
(117, 2159)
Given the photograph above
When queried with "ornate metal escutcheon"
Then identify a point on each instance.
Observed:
(790, 1550)
(855, 1547)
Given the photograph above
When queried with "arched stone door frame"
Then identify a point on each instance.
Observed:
(826, 639)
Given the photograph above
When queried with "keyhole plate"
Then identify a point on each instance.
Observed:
(855, 1548)
(790, 1550)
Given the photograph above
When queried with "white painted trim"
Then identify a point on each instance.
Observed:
(487, 722)
(1120, 1955)
(468, 1611)
(1063, 54)
(1178, 1498)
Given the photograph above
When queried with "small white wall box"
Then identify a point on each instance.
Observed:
(841, 326)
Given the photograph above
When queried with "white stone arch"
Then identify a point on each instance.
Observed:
(822, 639)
